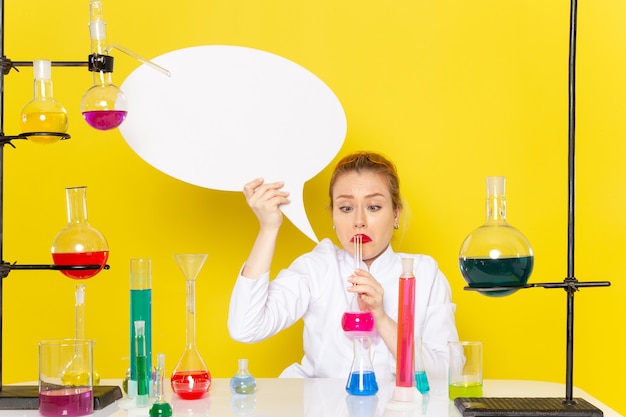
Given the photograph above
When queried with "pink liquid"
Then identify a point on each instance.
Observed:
(104, 119)
(81, 258)
(69, 402)
(357, 321)
(191, 385)
(406, 330)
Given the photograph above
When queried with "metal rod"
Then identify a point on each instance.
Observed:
(57, 267)
(53, 63)
(571, 177)
(562, 284)
(1, 177)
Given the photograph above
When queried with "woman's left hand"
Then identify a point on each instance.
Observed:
(369, 292)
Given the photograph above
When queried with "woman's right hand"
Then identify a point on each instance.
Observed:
(265, 201)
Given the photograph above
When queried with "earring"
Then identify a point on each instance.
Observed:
(334, 228)
(396, 226)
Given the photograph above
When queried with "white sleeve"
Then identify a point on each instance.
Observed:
(259, 308)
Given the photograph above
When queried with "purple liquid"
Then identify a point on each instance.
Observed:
(358, 321)
(104, 119)
(71, 402)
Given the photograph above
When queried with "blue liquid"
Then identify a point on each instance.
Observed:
(243, 384)
(362, 383)
(141, 309)
(421, 382)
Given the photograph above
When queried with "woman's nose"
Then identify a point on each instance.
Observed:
(359, 220)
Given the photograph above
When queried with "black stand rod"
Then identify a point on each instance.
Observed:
(571, 208)
(569, 406)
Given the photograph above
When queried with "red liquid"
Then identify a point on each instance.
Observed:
(191, 385)
(357, 321)
(69, 402)
(81, 258)
(104, 119)
(406, 330)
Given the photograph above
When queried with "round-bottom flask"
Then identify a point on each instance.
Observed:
(496, 254)
(79, 244)
(191, 378)
(243, 382)
(362, 379)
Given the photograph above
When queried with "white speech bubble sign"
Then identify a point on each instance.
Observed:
(229, 114)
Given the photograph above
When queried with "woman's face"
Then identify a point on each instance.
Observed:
(362, 205)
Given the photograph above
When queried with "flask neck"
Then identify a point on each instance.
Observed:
(102, 78)
(43, 89)
(191, 313)
(76, 205)
(496, 210)
(243, 367)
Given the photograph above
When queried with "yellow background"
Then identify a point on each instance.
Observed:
(452, 91)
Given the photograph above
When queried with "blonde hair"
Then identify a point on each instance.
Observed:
(364, 161)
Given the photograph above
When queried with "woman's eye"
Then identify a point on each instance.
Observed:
(374, 208)
(345, 209)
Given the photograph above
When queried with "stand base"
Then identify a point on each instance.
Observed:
(26, 397)
(526, 407)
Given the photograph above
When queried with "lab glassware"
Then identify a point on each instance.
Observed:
(496, 254)
(79, 296)
(141, 361)
(103, 105)
(359, 326)
(242, 382)
(140, 310)
(405, 357)
(43, 114)
(79, 243)
(191, 378)
(421, 378)
(160, 407)
(59, 396)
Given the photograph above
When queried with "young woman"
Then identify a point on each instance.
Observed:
(318, 286)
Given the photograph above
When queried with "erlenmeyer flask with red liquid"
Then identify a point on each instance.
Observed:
(191, 378)
(79, 244)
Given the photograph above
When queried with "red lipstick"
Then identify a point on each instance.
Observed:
(364, 238)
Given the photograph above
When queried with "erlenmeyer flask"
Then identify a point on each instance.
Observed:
(191, 378)
(79, 243)
(362, 379)
(496, 254)
(43, 114)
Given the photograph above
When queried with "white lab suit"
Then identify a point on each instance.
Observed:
(314, 288)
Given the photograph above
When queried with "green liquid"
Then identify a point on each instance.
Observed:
(465, 389)
(502, 272)
(143, 383)
(141, 309)
(161, 409)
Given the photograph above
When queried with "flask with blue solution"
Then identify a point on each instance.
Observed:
(421, 379)
(243, 382)
(362, 379)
